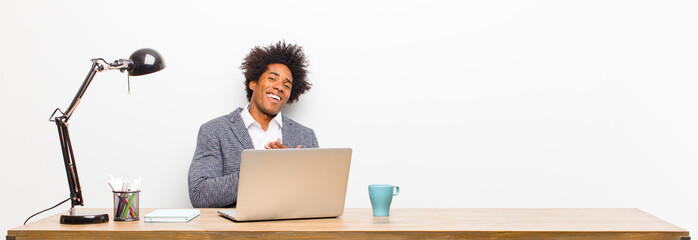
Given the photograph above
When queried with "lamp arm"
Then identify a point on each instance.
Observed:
(64, 137)
(71, 169)
(96, 67)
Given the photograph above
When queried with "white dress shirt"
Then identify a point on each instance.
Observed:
(260, 138)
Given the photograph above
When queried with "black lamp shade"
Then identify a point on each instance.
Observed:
(145, 61)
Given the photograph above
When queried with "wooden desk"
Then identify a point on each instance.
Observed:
(402, 224)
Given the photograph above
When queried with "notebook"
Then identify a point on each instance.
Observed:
(172, 215)
(291, 184)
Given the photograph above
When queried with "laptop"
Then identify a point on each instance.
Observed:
(291, 184)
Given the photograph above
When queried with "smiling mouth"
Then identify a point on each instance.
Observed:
(274, 96)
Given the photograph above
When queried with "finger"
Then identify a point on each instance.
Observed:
(276, 145)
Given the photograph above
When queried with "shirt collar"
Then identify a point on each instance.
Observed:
(248, 120)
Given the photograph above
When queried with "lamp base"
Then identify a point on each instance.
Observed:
(84, 218)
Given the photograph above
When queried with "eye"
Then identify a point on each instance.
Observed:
(272, 79)
(287, 86)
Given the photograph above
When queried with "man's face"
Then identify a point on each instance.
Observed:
(272, 90)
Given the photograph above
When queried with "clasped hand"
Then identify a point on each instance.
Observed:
(277, 145)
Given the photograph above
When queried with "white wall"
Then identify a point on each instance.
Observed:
(473, 104)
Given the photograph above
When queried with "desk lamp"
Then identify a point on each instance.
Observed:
(141, 62)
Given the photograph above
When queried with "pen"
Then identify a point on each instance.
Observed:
(128, 204)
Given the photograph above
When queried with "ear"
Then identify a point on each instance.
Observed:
(252, 84)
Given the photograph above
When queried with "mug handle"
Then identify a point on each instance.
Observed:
(396, 191)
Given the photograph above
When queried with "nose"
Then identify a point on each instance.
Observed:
(279, 86)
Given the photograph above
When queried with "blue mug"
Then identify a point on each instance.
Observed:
(381, 196)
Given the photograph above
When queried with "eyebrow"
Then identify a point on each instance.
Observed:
(289, 80)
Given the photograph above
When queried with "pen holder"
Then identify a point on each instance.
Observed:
(126, 206)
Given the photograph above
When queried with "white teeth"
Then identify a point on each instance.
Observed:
(274, 97)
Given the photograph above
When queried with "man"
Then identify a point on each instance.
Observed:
(274, 75)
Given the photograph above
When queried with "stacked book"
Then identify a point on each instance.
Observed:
(172, 215)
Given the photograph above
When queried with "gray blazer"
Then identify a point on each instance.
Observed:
(215, 168)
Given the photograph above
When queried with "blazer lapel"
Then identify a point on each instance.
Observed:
(239, 129)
